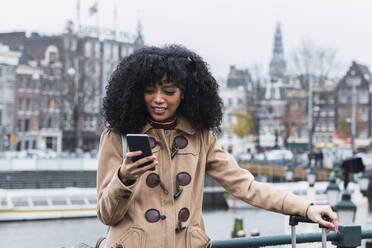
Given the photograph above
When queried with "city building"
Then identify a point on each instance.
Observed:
(8, 62)
(236, 96)
(324, 118)
(56, 92)
(357, 80)
(278, 64)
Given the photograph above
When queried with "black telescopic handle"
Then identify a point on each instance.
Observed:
(295, 219)
(326, 218)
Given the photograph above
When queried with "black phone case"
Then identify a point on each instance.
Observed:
(137, 142)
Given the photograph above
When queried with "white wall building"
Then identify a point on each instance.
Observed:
(8, 62)
(233, 99)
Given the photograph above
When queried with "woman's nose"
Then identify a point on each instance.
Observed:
(158, 97)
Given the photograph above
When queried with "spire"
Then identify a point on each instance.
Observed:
(139, 41)
(278, 64)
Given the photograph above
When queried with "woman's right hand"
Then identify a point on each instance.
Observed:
(129, 171)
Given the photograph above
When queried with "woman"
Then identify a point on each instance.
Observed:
(169, 94)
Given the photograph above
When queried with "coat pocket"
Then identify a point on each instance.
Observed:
(133, 238)
(196, 238)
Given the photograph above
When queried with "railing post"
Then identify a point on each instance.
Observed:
(369, 243)
(350, 236)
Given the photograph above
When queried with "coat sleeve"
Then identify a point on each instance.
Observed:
(240, 183)
(114, 198)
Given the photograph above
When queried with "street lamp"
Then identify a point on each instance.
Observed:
(288, 173)
(312, 125)
(76, 107)
(354, 81)
(333, 190)
(311, 176)
(338, 176)
(363, 183)
(346, 209)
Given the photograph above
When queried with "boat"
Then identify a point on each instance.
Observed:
(37, 204)
(318, 193)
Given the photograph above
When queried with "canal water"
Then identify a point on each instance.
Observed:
(65, 233)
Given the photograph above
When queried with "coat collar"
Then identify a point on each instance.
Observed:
(182, 124)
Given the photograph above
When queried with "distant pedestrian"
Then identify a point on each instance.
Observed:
(169, 94)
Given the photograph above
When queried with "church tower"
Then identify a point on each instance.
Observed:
(278, 65)
(139, 40)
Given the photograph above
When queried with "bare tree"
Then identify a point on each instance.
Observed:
(314, 60)
(80, 92)
(319, 64)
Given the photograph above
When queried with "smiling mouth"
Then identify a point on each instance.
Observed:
(159, 110)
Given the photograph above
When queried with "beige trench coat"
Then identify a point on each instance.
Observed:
(179, 223)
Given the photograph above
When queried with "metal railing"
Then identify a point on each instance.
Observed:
(349, 236)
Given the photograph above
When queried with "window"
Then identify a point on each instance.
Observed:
(28, 83)
(59, 201)
(97, 49)
(77, 200)
(20, 104)
(19, 125)
(364, 113)
(19, 201)
(28, 104)
(229, 102)
(363, 96)
(32, 85)
(26, 144)
(10, 73)
(123, 51)
(107, 51)
(39, 201)
(364, 133)
(52, 57)
(34, 105)
(92, 199)
(20, 82)
(115, 52)
(27, 125)
(3, 202)
(88, 49)
(342, 96)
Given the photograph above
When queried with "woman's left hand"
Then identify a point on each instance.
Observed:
(315, 213)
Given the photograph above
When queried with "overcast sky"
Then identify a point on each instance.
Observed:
(223, 32)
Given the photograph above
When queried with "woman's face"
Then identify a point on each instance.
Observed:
(162, 100)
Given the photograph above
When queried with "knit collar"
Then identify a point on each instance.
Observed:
(166, 125)
(182, 124)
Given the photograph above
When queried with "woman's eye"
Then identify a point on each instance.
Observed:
(169, 92)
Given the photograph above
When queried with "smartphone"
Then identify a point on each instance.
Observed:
(140, 142)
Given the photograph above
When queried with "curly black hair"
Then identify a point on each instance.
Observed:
(124, 108)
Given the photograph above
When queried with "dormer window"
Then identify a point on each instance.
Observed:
(52, 57)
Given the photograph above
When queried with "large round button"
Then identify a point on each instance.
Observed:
(183, 178)
(152, 180)
(153, 215)
(180, 141)
(152, 142)
(183, 214)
